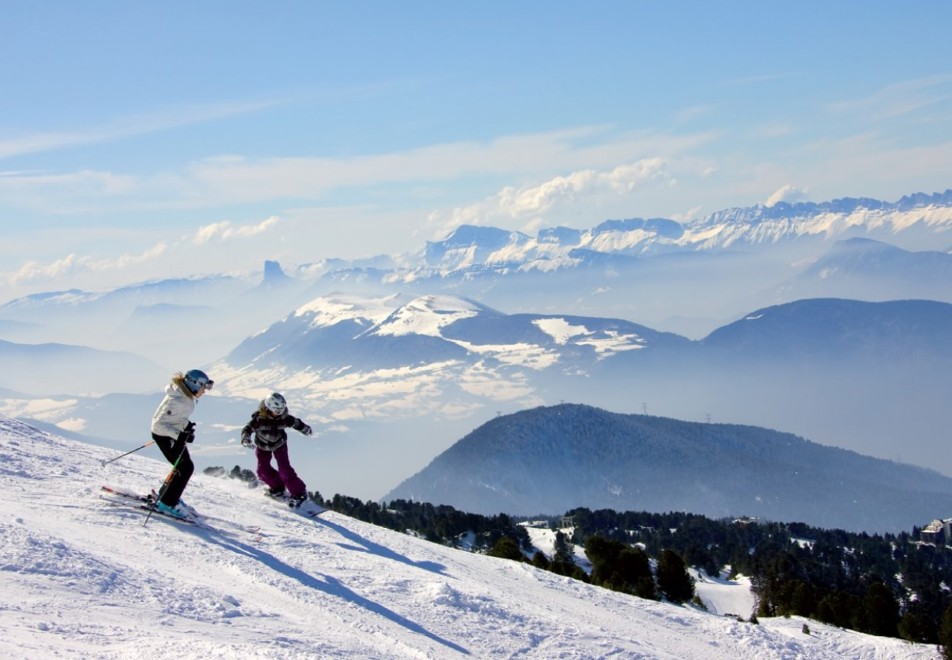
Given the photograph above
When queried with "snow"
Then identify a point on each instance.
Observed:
(334, 308)
(426, 316)
(84, 578)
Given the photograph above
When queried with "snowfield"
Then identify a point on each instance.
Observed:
(85, 578)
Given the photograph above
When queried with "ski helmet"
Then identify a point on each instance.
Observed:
(276, 404)
(195, 379)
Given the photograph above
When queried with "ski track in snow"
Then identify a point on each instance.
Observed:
(85, 578)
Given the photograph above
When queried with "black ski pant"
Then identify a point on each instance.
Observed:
(175, 451)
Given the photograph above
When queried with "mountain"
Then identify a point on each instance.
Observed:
(335, 331)
(30, 368)
(825, 329)
(629, 314)
(878, 270)
(686, 277)
(84, 578)
(551, 459)
(910, 218)
(403, 378)
(459, 352)
(177, 322)
(812, 367)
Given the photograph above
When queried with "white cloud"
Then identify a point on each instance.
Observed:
(71, 265)
(226, 231)
(228, 180)
(529, 203)
(74, 265)
(788, 194)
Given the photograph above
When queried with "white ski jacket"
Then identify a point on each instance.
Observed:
(171, 417)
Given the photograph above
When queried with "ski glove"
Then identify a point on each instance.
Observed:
(306, 430)
(246, 442)
(188, 435)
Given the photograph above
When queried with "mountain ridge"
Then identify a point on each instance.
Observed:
(552, 459)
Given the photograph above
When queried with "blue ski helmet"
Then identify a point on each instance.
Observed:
(196, 379)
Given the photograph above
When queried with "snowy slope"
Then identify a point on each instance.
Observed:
(86, 579)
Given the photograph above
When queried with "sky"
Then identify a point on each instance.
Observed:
(142, 141)
(87, 577)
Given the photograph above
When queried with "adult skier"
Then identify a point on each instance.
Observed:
(172, 432)
(266, 433)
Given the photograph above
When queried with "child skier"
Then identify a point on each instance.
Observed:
(268, 424)
(172, 432)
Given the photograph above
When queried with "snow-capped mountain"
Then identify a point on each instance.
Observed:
(405, 378)
(83, 578)
(683, 277)
(906, 220)
(450, 351)
(413, 351)
(687, 278)
(553, 459)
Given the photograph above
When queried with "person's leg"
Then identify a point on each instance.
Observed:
(266, 473)
(176, 453)
(295, 486)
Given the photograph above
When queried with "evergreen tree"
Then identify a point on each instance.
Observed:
(539, 560)
(916, 626)
(507, 548)
(619, 567)
(945, 633)
(673, 579)
(881, 611)
(563, 551)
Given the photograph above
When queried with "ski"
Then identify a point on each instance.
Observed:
(308, 508)
(146, 502)
(129, 503)
(126, 494)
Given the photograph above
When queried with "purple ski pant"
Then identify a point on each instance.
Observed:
(284, 477)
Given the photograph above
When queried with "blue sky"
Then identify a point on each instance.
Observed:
(142, 140)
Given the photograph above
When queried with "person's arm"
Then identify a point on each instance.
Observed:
(247, 431)
(299, 425)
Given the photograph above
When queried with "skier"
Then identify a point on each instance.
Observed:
(172, 432)
(267, 425)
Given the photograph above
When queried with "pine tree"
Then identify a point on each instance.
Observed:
(507, 548)
(673, 579)
(881, 610)
(945, 633)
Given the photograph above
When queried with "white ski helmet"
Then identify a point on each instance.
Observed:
(276, 404)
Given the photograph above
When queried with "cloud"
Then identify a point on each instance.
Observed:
(172, 117)
(900, 99)
(59, 192)
(787, 193)
(529, 203)
(391, 178)
(72, 265)
(226, 231)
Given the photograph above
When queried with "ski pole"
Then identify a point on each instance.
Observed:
(166, 483)
(127, 453)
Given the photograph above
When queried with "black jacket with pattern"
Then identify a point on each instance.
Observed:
(268, 430)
